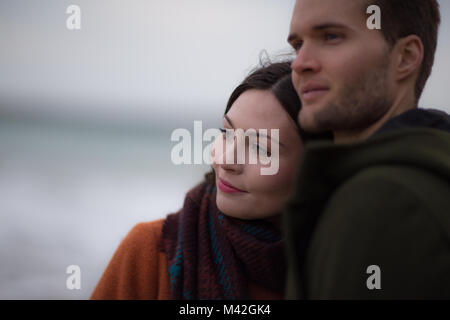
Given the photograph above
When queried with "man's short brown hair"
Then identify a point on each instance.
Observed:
(401, 18)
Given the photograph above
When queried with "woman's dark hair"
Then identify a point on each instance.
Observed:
(275, 77)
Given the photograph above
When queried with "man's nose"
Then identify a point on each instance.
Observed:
(306, 60)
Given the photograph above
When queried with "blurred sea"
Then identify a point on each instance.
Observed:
(70, 193)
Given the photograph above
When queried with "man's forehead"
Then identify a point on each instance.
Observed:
(311, 14)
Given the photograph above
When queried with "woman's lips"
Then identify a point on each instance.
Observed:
(227, 187)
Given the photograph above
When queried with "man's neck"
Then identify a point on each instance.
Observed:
(400, 106)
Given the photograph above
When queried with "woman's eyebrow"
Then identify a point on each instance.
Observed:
(229, 121)
(269, 137)
(257, 133)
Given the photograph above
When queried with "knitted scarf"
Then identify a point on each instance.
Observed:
(213, 256)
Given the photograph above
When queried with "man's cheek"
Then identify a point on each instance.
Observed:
(295, 81)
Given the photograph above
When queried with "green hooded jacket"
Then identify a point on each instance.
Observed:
(372, 220)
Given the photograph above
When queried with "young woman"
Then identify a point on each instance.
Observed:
(225, 242)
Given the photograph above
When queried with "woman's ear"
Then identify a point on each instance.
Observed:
(410, 56)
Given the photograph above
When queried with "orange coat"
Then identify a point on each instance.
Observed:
(138, 269)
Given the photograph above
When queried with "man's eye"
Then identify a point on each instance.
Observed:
(297, 45)
(331, 36)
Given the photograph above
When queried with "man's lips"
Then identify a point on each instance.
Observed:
(227, 187)
(311, 92)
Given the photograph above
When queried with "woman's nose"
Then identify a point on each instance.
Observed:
(224, 154)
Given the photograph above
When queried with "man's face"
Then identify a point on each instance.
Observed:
(341, 71)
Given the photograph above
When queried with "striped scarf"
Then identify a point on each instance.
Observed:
(213, 256)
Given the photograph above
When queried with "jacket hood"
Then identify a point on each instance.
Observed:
(421, 148)
(423, 144)
(429, 118)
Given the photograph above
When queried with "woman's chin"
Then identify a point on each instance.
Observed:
(237, 209)
(233, 208)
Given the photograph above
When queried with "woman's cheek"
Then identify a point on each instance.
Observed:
(271, 183)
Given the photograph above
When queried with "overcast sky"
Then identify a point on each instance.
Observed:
(149, 59)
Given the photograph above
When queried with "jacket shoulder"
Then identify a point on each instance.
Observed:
(137, 269)
(420, 188)
(391, 217)
(144, 236)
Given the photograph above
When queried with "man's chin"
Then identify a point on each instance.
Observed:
(308, 122)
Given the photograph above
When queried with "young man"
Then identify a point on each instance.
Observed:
(371, 214)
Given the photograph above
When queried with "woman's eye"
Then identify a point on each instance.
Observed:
(257, 147)
(227, 133)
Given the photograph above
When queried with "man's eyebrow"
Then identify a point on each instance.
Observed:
(323, 26)
(292, 37)
(329, 25)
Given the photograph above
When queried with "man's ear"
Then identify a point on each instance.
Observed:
(410, 56)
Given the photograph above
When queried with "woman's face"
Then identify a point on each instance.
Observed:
(262, 196)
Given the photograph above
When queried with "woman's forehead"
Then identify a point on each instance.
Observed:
(258, 109)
